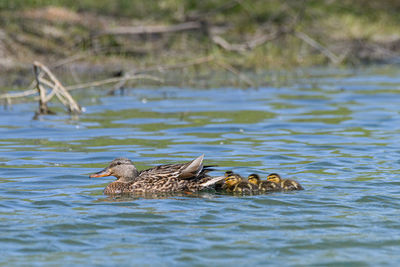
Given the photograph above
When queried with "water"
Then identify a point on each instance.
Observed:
(335, 131)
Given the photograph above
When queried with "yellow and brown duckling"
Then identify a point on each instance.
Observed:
(286, 184)
(191, 176)
(220, 185)
(234, 183)
(230, 181)
(263, 186)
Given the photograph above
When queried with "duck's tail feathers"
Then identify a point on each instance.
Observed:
(209, 168)
(193, 168)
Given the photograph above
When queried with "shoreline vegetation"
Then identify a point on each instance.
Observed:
(187, 42)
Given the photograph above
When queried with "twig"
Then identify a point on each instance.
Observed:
(227, 46)
(241, 76)
(181, 65)
(58, 89)
(152, 29)
(249, 45)
(113, 80)
(18, 95)
(264, 38)
(161, 68)
(80, 86)
(307, 39)
(43, 108)
(130, 76)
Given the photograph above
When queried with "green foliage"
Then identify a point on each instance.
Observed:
(326, 21)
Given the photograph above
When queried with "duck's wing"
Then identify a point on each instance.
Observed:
(190, 170)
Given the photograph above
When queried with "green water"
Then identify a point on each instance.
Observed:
(335, 131)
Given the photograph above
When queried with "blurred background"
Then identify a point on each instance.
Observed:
(113, 37)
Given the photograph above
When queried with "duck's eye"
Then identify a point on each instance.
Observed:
(119, 163)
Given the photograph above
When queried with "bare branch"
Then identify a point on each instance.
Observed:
(240, 76)
(307, 39)
(59, 89)
(152, 29)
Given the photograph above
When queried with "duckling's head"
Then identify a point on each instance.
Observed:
(254, 178)
(233, 179)
(122, 168)
(274, 177)
(227, 173)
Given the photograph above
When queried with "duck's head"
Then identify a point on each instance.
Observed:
(254, 178)
(233, 179)
(274, 177)
(122, 168)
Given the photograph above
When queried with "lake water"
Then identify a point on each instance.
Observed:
(335, 131)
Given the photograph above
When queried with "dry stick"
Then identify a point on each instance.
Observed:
(17, 95)
(50, 85)
(196, 61)
(236, 72)
(113, 80)
(81, 86)
(8, 102)
(43, 108)
(264, 38)
(307, 39)
(182, 65)
(55, 91)
(227, 46)
(71, 59)
(246, 46)
(153, 29)
(60, 90)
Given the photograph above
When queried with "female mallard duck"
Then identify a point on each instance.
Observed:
(263, 186)
(234, 183)
(286, 184)
(190, 176)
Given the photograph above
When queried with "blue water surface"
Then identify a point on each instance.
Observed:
(335, 131)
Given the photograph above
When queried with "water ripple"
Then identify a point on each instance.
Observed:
(335, 131)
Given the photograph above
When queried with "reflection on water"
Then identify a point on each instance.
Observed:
(157, 195)
(335, 131)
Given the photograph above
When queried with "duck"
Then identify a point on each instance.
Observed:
(230, 181)
(286, 184)
(219, 186)
(182, 177)
(263, 186)
(234, 183)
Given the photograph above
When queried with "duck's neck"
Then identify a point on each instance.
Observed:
(125, 179)
(129, 176)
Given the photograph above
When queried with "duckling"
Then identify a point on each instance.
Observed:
(263, 186)
(286, 184)
(235, 183)
(227, 173)
(219, 186)
(244, 187)
(231, 179)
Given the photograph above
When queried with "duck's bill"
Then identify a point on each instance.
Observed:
(102, 173)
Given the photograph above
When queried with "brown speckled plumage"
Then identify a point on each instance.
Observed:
(190, 176)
